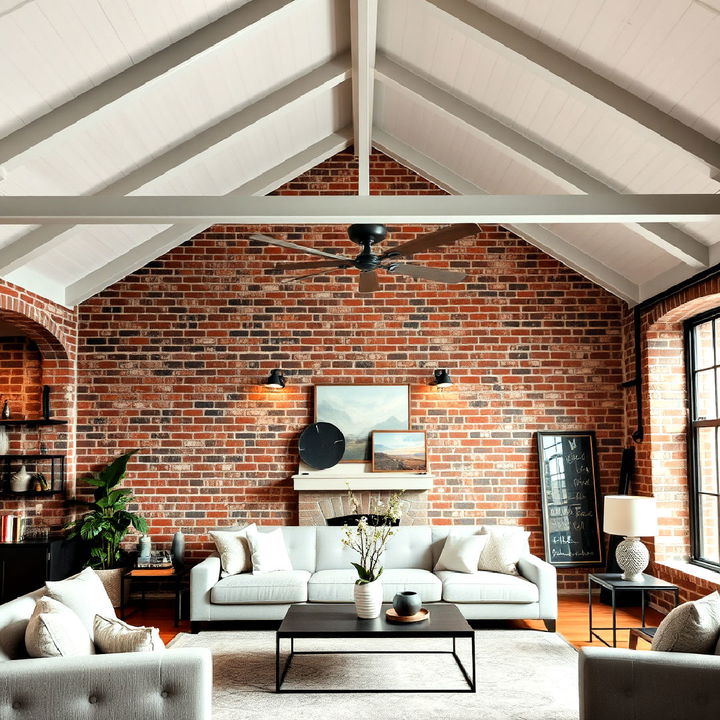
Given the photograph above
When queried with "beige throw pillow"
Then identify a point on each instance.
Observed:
(56, 631)
(461, 553)
(692, 627)
(112, 635)
(234, 550)
(85, 595)
(504, 548)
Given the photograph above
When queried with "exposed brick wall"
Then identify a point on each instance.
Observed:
(20, 376)
(171, 360)
(49, 342)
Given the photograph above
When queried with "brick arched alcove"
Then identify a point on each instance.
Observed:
(52, 330)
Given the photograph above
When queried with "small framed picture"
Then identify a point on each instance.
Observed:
(399, 451)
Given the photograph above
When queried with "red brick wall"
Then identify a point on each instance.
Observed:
(171, 360)
(49, 351)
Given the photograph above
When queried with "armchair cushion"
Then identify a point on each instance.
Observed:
(691, 627)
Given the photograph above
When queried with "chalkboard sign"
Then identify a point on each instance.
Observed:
(569, 486)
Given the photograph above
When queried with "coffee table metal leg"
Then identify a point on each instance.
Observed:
(280, 674)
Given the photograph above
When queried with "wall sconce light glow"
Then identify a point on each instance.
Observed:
(442, 379)
(276, 380)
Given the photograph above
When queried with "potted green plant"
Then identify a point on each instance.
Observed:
(107, 522)
(369, 541)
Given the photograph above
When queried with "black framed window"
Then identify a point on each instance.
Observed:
(702, 343)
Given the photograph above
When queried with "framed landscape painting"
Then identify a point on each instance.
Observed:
(394, 451)
(359, 410)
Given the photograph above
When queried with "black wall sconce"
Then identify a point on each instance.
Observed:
(442, 379)
(276, 380)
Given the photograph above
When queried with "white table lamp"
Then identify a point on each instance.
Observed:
(631, 516)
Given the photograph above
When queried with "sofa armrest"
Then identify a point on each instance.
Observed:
(172, 685)
(202, 580)
(543, 575)
(648, 685)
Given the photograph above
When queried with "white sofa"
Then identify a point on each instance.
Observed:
(169, 685)
(322, 573)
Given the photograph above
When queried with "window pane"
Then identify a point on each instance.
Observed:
(704, 356)
(706, 449)
(708, 517)
(705, 395)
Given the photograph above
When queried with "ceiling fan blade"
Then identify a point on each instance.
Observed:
(281, 267)
(426, 273)
(444, 236)
(368, 282)
(292, 246)
(311, 275)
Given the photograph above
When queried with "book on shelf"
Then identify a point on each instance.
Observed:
(157, 560)
(152, 572)
(12, 528)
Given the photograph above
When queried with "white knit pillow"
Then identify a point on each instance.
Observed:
(85, 595)
(461, 553)
(504, 548)
(691, 627)
(112, 635)
(56, 631)
(268, 551)
(234, 550)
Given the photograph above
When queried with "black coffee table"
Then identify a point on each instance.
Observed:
(340, 621)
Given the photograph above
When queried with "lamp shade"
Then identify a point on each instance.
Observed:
(630, 515)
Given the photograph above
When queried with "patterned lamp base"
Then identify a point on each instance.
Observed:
(633, 557)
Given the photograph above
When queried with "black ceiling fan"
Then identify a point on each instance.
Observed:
(368, 262)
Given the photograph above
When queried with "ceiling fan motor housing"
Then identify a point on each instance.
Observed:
(367, 234)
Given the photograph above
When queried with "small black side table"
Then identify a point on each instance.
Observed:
(174, 575)
(614, 583)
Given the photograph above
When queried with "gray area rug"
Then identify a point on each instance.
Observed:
(521, 675)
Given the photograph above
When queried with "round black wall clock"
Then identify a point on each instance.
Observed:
(321, 445)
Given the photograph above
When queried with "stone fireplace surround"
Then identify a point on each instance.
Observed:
(323, 494)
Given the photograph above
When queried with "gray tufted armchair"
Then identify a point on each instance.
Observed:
(171, 685)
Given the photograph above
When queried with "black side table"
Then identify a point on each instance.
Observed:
(174, 575)
(614, 583)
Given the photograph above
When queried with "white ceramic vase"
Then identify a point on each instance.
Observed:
(368, 600)
(4, 441)
(20, 481)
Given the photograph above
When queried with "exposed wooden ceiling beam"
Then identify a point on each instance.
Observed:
(536, 235)
(554, 64)
(170, 238)
(322, 209)
(333, 73)
(363, 33)
(142, 73)
(670, 239)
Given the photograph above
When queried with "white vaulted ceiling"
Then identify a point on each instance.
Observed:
(217, 97)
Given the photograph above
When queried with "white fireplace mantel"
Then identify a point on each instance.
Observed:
(358, 476)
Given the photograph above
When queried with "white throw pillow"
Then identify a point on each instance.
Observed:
(234, 550)
(692, 627)
(461, 553)
(56, 631)
(268, 551)
(504, 548)
(112, 635)
(85, 595)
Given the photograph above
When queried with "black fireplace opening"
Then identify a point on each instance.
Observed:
(374, 520)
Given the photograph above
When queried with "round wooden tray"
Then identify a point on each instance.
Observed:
(392, 616)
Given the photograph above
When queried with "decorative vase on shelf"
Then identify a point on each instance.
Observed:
(177, 549)
(144, 548)
(4, 441)
(6, 411)
(368, 599)
(407, 603)
(20, 481)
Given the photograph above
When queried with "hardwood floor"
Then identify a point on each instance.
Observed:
(572, 619)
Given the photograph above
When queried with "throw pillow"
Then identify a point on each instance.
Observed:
(268, 551)
(84, 594)
(461, 553)
(56, 631)
(112, 635)
(692, 627)
(505, 546)
(234, 550)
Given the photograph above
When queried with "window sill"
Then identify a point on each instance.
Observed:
(696, 571)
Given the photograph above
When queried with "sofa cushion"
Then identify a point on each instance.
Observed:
(486, 587)
(409, 547)
(234, 550)
(56, 631)
(337, 585)
(283, 586)
(112, 635)
(504, 548)
(461, 553)
(268, 551)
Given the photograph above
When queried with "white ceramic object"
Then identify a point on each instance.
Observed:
(4, 441)
(632, 557)
(20, 481)
(368, 600)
